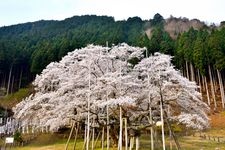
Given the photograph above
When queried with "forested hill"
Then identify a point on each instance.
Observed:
(25, 49)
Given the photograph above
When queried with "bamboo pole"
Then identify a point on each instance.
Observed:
(137, 143)
(162, 120)
(71, 131)
(85, 140)
(107, 108)
(89, 96)
(9, 79)
(120, 144)
(150, 117)
(170, 132)
(107, 128)
(103, 138)
(75, 139)
(20, 80)
(97, 139)
(126, 135)
(93, 138)
(131, 143)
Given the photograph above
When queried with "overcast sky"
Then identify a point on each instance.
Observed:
(21, 11)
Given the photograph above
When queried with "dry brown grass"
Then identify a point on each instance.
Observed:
(217, 120)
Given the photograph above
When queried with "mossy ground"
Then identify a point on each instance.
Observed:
(190, 142)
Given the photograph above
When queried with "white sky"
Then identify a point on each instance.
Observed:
(21, 11)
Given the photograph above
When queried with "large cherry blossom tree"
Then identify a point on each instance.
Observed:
(98, 81)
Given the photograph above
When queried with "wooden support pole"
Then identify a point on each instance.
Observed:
(71, 131)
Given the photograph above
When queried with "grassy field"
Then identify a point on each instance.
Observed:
(13, 99)
(207, 140)
(55, 142)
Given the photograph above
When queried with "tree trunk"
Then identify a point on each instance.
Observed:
(222, 75)
(207, 91)
(9, 80)
(212, 87)
(182, 72)
(2, 80)
(203, 83)
(199, 81)
(11, 90)
(221, 87)
(187, 70)
(21, 74)
(192, 72)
